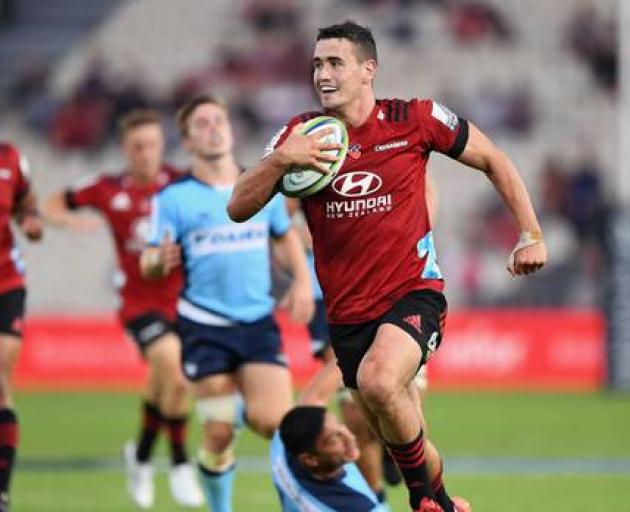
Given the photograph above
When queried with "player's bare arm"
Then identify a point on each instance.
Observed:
(323, 386)
(299, 297)
(157, 262)
(530, 254)
(57, 213)
(254, 188)
(28, 217)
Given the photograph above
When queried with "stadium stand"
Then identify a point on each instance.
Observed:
(512, 66)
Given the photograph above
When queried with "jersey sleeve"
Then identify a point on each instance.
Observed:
(441, 129)
(279, 222)
(86, 192)
(163, 219)
(18, 168)
(23, 183)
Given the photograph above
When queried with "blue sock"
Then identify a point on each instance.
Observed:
(218, 488)
(240, 419)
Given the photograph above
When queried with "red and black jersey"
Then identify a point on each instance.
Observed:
(371, 233)
(126, 205)
(14, 185)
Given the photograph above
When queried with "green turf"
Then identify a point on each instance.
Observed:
(531, 425)
(62, 426)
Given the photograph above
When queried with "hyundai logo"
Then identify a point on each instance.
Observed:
(357, 184)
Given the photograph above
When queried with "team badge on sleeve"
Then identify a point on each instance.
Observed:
(444, 115)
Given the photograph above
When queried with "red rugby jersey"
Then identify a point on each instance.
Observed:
(14, 185)
(126, 205)
(371, 233)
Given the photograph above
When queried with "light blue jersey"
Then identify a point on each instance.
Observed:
(317, 289)
(226, 265)
(300, 492)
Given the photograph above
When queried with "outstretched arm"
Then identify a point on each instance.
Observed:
(57, 212)
(530, 254)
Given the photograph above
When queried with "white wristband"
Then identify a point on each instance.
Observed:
(526, 239)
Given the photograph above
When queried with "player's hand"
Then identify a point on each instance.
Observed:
(527, 259)
(307, 150)
(299, 301)
(170, 254)
(32, 226)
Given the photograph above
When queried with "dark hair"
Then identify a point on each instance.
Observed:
(186, 110)
(138, 117)
(361, 37)
(301, 427)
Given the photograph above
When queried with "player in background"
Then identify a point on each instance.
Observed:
(148, 307)
(231, 345)
(17, 201)
(387, 312)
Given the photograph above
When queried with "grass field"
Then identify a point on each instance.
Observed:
(506, 453)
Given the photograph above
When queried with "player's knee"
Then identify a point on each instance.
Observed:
(376, 387)
(226, 409)
(178, 388)
(263, 421)
(217, 437)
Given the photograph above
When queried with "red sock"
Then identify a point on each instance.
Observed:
(411, 461)
(151, 424)
(9, 434)
(176, 428)
(440, 492)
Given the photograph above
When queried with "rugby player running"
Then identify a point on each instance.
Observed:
(372, 239)
(148, 307)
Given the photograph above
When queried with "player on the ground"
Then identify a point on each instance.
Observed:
(373, 244)
(312, 461)
(148, 307)
(17, 201)
(230, 342)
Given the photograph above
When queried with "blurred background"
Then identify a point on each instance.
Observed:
(543, 79)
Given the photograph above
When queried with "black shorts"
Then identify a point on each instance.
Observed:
(420, 313)
(12, 311)
(318, 330)
(211, 350)
(147, 328)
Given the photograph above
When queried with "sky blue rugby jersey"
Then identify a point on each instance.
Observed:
(226, 264)
(300, 492)
(317, 289)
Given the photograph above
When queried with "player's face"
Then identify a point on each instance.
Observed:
(339, 77)
(144, 149)
(336, 445)
(209, 132)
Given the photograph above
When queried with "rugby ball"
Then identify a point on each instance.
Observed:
(303, 182)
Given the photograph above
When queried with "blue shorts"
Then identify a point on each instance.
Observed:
(318, 329)
(209, 350)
